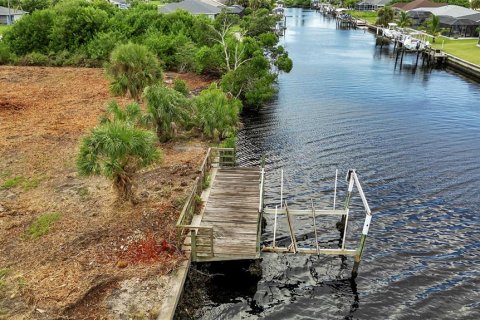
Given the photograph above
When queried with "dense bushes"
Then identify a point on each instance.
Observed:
(86, 33)
(215, 113)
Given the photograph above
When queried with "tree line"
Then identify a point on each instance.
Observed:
(241, 51)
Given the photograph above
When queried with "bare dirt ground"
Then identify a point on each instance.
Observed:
(100, 259)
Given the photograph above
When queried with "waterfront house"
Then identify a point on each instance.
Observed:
(209, 8)
(407, 6)
(368, 5)
(459, 21)
(122, 4)
(194, 7)
(9, 16)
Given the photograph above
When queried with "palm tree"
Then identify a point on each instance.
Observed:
(167, 109)
(132, 67)
(117, 150)
(132, 114)
(478, 30)
(433, 25)
(216, 114)
(404, 20)
(385, 16)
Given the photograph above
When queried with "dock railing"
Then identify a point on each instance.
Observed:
(201, 238)
(261, 205)
(353, 181)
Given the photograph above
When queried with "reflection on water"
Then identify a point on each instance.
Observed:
(414, 138)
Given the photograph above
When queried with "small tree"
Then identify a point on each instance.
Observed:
(433, 25)
(385, 16)
(216, 114)
(132, 114)
(404, 20)
(132, 67)
(167, 109)
(117, 150)
(475, 4)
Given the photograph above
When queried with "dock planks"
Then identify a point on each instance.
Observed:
(232, 211)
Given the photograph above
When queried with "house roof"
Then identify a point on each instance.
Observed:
(399, 5)
(374, 2)
(473, 17)
(191, 6)
(418, 4)
(235, 9)
(4, 11)
(450, 10)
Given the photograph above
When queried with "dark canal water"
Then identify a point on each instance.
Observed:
(414, 138)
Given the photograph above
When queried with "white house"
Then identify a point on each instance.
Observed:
(10, 15)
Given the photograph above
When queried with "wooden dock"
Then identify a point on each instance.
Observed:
(232, 210)
(228, 225)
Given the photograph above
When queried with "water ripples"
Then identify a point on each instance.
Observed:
(414, 139)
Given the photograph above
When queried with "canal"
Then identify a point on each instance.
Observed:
(414, 138)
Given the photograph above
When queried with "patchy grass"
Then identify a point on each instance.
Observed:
(42, 225)
(207, 182)
(158, 3)
(369, 16)
(13, 182)
(465, 49)
(20, 181)
(3, 275)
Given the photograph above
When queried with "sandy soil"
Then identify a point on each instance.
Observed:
(90, 265)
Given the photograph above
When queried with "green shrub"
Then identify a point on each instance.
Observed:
(229, 142)
(167, 110)
(216, 114)
(284, 63)
(6, 55)
(34, 59)
(31, 33)
(210, 60)
(103, 44)
(181, 86)
(41, 225)
(132, 67)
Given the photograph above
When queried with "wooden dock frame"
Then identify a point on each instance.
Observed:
(228, 225)
(353, 181)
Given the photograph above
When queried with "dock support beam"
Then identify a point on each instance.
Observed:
(193, 244)
(361, 246)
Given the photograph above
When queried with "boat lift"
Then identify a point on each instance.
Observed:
(353, 181)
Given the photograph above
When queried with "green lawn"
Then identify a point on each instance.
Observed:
(157, 2)
(369, 16)
(461, 48)
(3, 28)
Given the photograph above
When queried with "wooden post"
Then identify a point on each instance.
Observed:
(361, 245)
(344, 221)
(193, 244)
(315, 227)
(335, 190)
(396, 58)
(211, 242)
(401, 59)
(290, 227)
(281, 190)
(416, 62)
(275, 228)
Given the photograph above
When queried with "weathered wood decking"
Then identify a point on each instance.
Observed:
(228, 226)
(232, 209)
